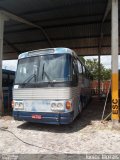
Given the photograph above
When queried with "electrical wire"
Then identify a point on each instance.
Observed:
(6, 130)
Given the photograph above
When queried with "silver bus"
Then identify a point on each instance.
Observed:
(51, 86)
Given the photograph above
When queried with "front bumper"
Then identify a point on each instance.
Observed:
(49, 118)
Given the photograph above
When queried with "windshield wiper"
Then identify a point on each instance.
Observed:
(26, 81)
(44, 73)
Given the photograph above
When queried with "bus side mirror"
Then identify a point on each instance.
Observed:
(75, 78)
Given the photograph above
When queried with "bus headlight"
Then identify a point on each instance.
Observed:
(53, 106)
(57, 106)
(19, 105)
(16, 105)
(60, 106)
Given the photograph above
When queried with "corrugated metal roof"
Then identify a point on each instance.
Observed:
(68, 23)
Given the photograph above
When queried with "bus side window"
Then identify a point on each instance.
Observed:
(75, 71)
(79, 67)
(83, 70)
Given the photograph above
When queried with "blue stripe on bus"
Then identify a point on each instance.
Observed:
(49, 118)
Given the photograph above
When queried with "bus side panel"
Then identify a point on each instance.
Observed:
(85, 94)
(75, 100)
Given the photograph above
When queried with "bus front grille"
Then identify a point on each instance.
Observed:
(46, 93)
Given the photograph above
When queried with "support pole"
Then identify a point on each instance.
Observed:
(99, 73)
(107, 10)
(114, 45)
(1, 56)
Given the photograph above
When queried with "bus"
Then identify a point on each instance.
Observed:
(51, 86)
(7, 78)
(7, 85)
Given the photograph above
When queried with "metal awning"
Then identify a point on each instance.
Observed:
(82, 25)
(75, 24)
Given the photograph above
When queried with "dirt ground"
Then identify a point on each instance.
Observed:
(85, 135)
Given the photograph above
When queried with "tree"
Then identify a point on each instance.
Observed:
(82, 59)
(107, 74)
(92, 65)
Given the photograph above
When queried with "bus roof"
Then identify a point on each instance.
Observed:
(8, 71)
(59, 50)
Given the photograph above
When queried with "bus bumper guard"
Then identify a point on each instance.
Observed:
(49, 118)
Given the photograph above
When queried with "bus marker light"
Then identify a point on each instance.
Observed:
(68, 105)
(13, 103)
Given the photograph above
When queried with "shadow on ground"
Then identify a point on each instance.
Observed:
(93, 112)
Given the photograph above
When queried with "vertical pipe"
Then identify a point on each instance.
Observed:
(114, 45)
(1, 56)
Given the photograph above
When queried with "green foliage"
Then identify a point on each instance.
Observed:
(92, 65)
(82, 59)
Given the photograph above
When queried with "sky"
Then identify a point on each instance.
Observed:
(105, 60)
(10, 65)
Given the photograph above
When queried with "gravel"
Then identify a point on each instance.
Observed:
(87, 134)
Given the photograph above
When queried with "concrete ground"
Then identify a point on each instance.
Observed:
(85, 135)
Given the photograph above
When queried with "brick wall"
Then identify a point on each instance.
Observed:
(104, 86)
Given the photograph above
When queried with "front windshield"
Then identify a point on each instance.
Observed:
(44, 68)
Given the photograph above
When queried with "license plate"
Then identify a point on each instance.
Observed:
(35, 116)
